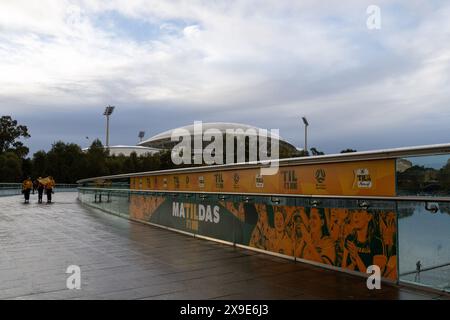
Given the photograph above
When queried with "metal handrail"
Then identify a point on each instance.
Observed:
(6, 186)
(19, 183)
(385, 198)
(425, 269)
(394, 153)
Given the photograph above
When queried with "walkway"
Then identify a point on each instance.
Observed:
(120, 259)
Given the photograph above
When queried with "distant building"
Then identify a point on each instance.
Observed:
(127, 150)
(403, 165)
(163, 140)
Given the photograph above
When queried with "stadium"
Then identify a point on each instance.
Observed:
(162, 141)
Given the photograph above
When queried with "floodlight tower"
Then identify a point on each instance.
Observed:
(141, 135)
(108, 111)
(306, 123)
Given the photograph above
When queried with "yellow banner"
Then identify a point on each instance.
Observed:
(356, 178)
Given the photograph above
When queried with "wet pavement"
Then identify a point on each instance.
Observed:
(121, 259)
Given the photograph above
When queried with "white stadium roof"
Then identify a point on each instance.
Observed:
(127, 150)
(221, 126)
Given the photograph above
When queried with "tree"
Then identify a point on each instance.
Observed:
(115, 164)
(348, 150)
(65, 162)
(444, 177)
(10, 133)
(316, 152)
(11, 167)
(411, 180)
(131, 163)
(166, 160)
(151, 162)
(303, 153)
(40, 164)
(27, 167)
(96, 158)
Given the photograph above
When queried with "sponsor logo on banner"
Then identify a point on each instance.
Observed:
(201, 182)
(363, 179)
(320, 176)
(219, 180)
(176, 182)
(259, 181)
(290, 181)
(375, 178)
(236, 179)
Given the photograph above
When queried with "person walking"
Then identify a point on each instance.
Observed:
(418, 268)
(49, 188)
(27, 185)
(40, 189)
(35, 185)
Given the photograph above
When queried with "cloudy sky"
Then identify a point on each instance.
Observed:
(267, 63)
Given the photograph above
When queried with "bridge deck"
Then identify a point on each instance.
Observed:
(120, 259)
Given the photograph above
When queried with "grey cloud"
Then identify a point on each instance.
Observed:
(263, 64)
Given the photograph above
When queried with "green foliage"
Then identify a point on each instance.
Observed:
(444, 176)
(420, 180)
(96, 158)
(27, 167)
(11, 167)
(348, 150)
(285, 153)
(10, 133)
(39, 164)
(67, 163)
(316, 152)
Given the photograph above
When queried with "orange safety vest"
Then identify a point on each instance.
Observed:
(27, 184)
(50, 184)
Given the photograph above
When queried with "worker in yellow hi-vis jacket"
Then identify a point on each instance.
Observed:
(49, 185)
(27, 186)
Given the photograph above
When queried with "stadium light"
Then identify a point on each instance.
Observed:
(141, 135)
(306, 123)
(108, 111)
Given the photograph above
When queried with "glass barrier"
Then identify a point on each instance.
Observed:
(107, 183)
(408, 239)
(10, 189)
(111, 201)
(424, 176)
(347, 234)
(424, 242)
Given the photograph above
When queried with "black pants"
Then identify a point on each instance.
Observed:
(26, 193)
(49, 194)
(40, 193)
